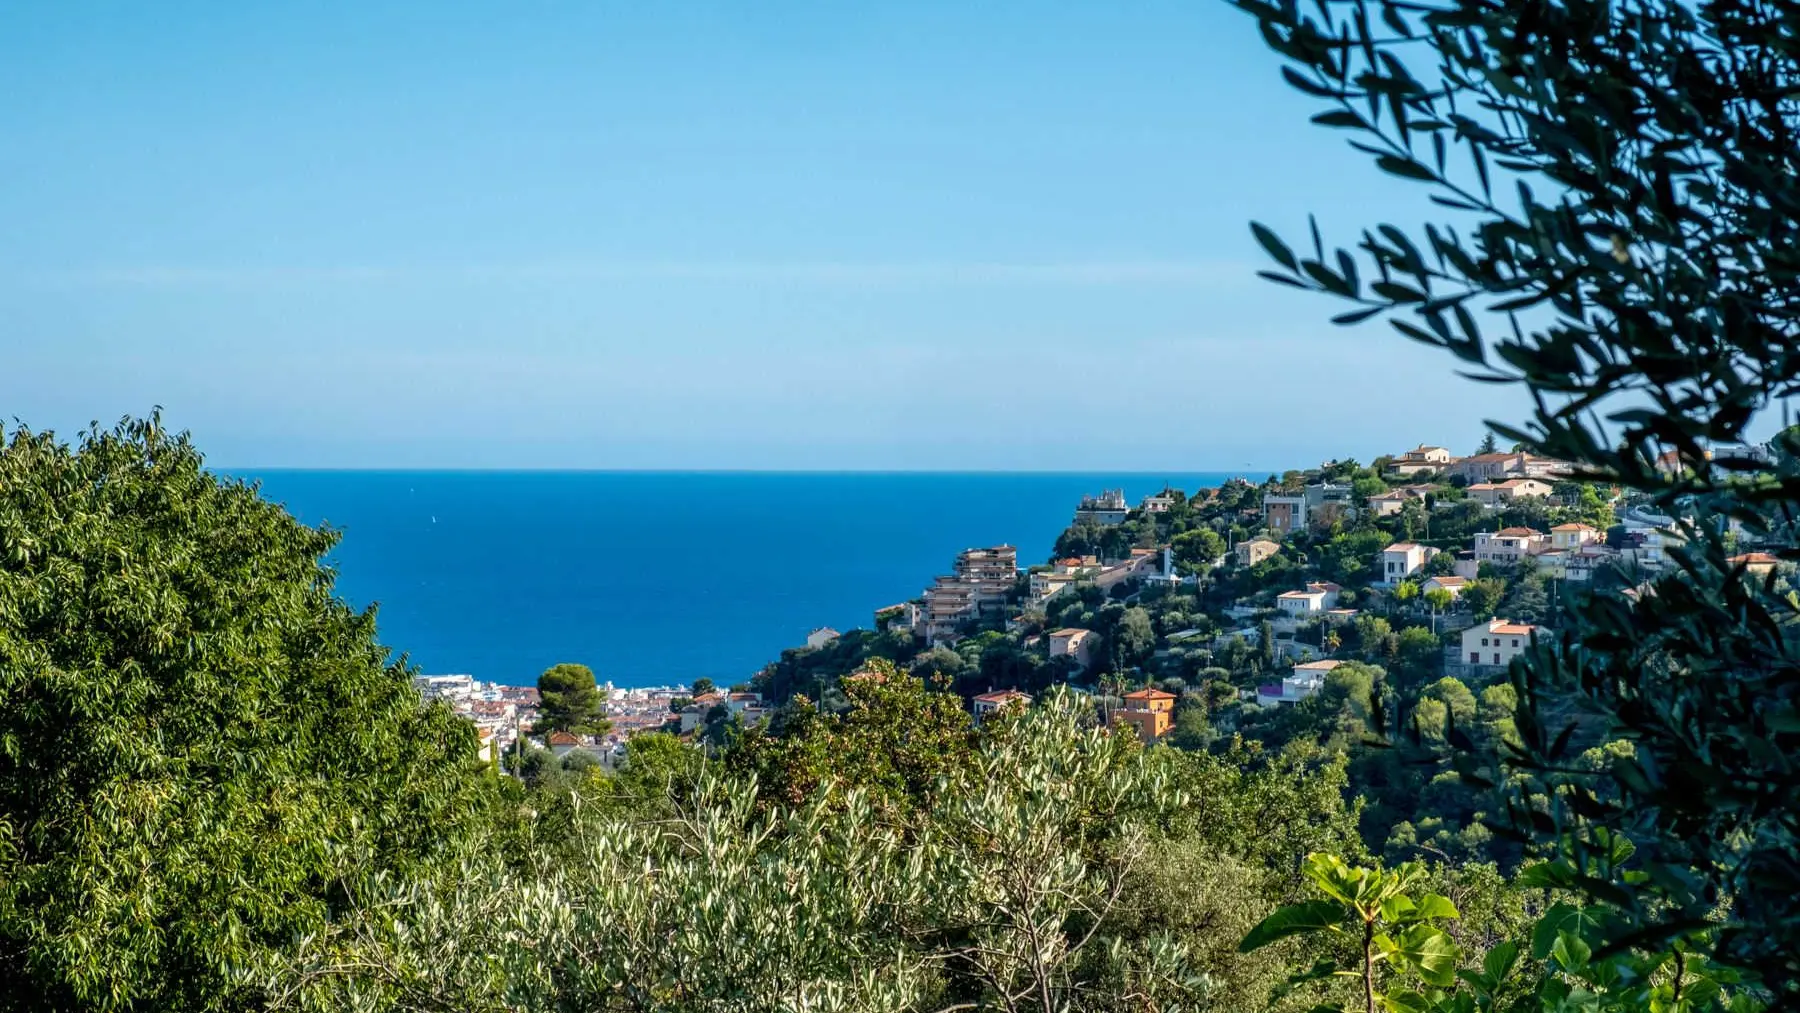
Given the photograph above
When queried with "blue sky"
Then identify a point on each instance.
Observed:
(676, 235)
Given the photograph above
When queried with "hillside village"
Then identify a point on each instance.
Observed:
(1244, 597)
(1195, 617)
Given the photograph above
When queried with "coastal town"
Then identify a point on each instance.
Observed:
(1256, 592)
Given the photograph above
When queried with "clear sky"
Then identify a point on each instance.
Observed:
(677, 235)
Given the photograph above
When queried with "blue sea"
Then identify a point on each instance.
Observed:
(656, 578)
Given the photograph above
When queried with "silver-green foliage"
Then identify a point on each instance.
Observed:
(1002, 895)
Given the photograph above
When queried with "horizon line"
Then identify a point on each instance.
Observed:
(393, 470)
(825, 272)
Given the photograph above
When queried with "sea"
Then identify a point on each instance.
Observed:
(658, 578)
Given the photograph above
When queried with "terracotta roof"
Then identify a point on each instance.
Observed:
(1518, 532)
(1069, 631)
(1401, 547)
(1510, 629)
(1484, 486)
(1756, 557)
(1513, 483)
(1004, 695)
(563, 739)
(1574, 527)
(1488, 458)
(1322, 665)
(1298, 594)
(1448, 581)
(1149, 694)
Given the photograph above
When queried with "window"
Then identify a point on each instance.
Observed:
(1515, 641)
(1496, 657)
(1474, 657)
(1484, 642)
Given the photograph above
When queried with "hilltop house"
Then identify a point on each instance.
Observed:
(1452, 584)
(1497, 494)
(991, 701)
(903, 617)
(1307, 678)
(1421, 460)
(1161, 503)
(1496, 642)
(821, 636)
(1284, 513)
(1388, 504)
(1507, 546)
(1317, 504)
(1255, 551)
(1301, 603)
(1108, 508)
(1486, 467)
(1574, 536)
(1757, 564)
(1150, 711)
(1401, 560)
(1073, 642)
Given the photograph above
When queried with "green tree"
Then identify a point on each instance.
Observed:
(1132, 639)
(1391, 929)
(569, 700)
(1197, 549)
(203, 746)
(895, 740)
(703, 686)
(1440, 599)
(1623, 175)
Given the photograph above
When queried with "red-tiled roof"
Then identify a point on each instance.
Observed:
(1518, 533)
(1756, 558)
(1149, 694)
(1002, 696)
(1401, 547)
(1574, 527)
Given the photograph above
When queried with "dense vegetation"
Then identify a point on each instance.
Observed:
(218, 792)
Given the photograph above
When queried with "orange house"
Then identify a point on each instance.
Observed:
(1150, 711)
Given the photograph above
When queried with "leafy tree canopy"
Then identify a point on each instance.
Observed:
(203, 746)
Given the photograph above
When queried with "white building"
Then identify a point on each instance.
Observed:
(821, 636)
(1452, 584)
(1496, 642)
(1307, 678)
(1403, 559)
(1107, 508)
(1301, 603)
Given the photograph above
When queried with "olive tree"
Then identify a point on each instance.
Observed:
(1624, 184)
